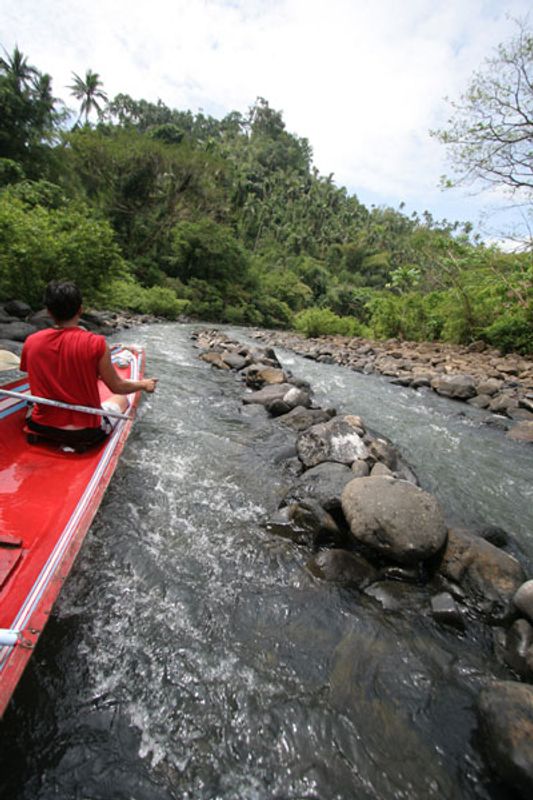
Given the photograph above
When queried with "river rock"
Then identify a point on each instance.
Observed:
(458, 386)
(479, 401)
(342, 566)
(215, 359)
(523, 599)
(489, 577)
(360, 469)
(16, 331)
(337, 440)
(503, 403)
(521, 432)
(17, 308)
(323, 483)
(505, 711)
(301, 418)
(489, 386)
(381, 470)
(13, 347)
(263, 396)
(234, 360)
(310, 517)
(515, 647)
(445, 610)
(395, 518)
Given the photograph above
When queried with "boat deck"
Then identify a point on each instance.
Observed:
(48, 498)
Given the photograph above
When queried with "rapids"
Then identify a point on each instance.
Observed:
(192, 656)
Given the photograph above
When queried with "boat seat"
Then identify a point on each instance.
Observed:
(32, 437)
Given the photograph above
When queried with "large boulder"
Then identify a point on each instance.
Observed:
(458, 386)
(394, 518)
(16, 331)
(505, 711)
(488, 576)
(324, 483)
(340, 440)
(17, 308)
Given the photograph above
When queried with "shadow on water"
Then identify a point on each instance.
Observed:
(192, 655)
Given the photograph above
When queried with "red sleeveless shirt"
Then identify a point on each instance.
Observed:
(62, 364)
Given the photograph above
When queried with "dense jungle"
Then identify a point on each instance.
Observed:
(173, 213)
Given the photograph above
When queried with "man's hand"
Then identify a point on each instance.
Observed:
(149, 385)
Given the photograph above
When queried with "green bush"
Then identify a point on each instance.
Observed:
(322, 321)
(39, 244)
(128, 295)
(511, 333)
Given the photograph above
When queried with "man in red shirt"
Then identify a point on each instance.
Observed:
(64, 363)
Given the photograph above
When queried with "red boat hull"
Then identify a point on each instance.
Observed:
(48, 499)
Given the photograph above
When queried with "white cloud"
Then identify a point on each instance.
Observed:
(364, 82)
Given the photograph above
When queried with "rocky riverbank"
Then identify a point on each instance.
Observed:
(354, 502)
(477, 375)
(18, 321)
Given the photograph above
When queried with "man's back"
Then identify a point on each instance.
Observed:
(62, 364)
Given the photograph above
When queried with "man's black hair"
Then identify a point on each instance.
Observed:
(63, 300)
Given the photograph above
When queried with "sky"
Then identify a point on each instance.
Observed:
(363, 80)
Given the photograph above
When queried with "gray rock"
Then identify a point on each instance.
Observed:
(16, 331)
(17, 308)
(318, 525)
(479, 401)
(324, 483)
(395, 518)
(300, 418)
(523, 599)
(515, 647)
(489, 386)
(342, 566)
(360, 469)
(505, 711)
(488, 576)
(381, 470)
(337, 440)
(503, 403)
(295, 397)
(13, 347)
(234, 360)
(381, 450)
(445, 610)
(277, 407)
(263, 396)
(521, 432)
(458, 386)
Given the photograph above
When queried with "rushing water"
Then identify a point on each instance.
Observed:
(192, 655)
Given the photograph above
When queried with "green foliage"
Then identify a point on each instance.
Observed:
(207, 251)
(511, 333)
(322, 321)
(126, 294)
(38, 245)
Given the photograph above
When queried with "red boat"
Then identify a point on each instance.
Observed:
(48, 498)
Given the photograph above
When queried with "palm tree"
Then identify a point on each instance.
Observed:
(18, 70)
(88, 91)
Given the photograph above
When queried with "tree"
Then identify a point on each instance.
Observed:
(490, 133)
(88, 91)
(28, 114)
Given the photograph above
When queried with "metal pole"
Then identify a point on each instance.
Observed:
(30, 398)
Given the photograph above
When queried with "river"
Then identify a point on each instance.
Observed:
(192, 655)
